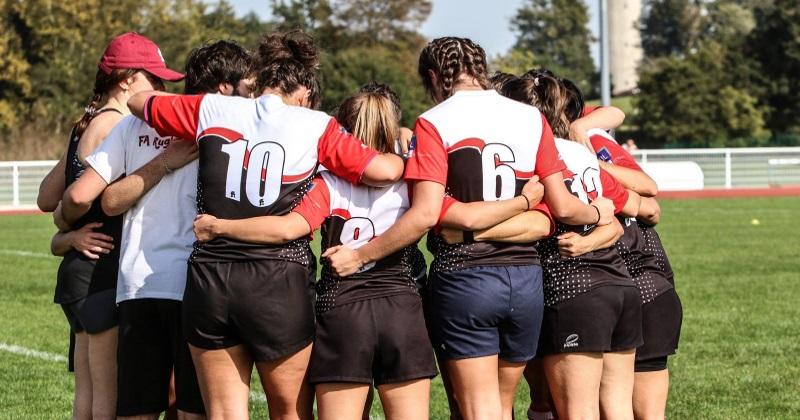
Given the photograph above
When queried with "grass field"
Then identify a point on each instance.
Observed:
(739, 282)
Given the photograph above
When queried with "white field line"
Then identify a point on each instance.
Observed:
(23, 351)
(52, 357)
(19, 253)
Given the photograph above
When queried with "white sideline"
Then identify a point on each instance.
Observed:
(25, 253)
(22, 351)
(52, 357)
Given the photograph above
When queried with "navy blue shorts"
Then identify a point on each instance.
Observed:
(482, 311)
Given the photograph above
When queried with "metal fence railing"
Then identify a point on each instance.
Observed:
(722, 168)
(19, 181)
(736, 168)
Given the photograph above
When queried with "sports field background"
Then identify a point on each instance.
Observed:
(739, 281)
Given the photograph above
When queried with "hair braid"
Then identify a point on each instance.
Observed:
(449, 58)
(103, 84)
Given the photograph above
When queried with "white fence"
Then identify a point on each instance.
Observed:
(19, 182)
(736, 168)
(722, 168)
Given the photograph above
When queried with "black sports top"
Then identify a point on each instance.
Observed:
(79, 276)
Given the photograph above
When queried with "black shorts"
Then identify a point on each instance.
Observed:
(382, 340)
(151, 345)
(264, 304)
(661, 327)
(93, 314)
(606, 319)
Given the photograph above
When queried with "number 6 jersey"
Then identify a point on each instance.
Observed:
(482, 147)
(257, 158)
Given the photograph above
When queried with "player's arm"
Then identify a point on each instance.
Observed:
(484, 214)
(257, 230)
(52, 187)
(524, 228)
(78, 198)
(569, 210)
(85, 240)
(632, 204)
(138, 102)
(604, 117)
(649, 211)
(344, 155)
(632, 179)
(571, 244)
(307, 217)
(122, 194)
(564, 206)
(420, 217)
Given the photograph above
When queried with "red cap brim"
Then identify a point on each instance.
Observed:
(164, 73)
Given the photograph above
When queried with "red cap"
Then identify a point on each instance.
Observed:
(134, 51)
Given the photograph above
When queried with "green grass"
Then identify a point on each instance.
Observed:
(738, 281)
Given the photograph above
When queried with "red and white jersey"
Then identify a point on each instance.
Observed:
(640, 247)
(353, 215)
(482, 147)
(567, 277)
(257, 158)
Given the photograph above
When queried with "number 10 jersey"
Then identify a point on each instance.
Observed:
(257, 158)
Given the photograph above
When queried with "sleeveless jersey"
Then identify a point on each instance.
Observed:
(79, 276)
(353, 215)
(257, 158)
(640, 248)
(567, 277)
(482, 147)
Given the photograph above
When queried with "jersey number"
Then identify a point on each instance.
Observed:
(358, 230)
(499, 179)
(263, 175)
(583, 184)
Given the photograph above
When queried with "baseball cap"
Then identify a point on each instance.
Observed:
(134, 51)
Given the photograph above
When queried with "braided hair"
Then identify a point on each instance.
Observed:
(546, 93)
(103, 83)
(449, 58)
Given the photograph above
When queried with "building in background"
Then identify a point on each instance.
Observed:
(625, 44)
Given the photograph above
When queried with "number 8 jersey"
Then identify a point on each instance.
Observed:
(257, 158)
(482, 147)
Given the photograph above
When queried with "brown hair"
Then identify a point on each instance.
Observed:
(103, 83)
(546, 93)
(498, 79)
(448, 58)
(285, 61)
(373, 116)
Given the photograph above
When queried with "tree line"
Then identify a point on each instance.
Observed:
(715, 73)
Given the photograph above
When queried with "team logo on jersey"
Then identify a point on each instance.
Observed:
(604, 155)
(571, 341)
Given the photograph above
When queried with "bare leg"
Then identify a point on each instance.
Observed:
(616, 386)
(408, 400)
(650, 391)
(448, 390)
(289, 396)
(103, 367)
(82, 405)
(574, 380)
(224, 377)
(509, 374)
(343, 401)
(476, 387)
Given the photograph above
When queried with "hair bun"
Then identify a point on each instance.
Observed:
(293, 45)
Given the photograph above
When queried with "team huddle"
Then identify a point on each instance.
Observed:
(185, 224)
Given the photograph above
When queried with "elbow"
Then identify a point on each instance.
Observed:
(74, 198)
(564, 213)
(45, 205)
(651, 217)
(110, 206)
(384, 170)
(649, 189)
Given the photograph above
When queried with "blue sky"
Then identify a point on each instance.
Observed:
(484, 21)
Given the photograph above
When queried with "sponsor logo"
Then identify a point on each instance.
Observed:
(571, 341)
(604, 155)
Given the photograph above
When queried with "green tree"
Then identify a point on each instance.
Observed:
(556, 33)
(775, 43)
(691, 101)
(670, 27)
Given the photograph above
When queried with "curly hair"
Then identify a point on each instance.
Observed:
(285, 61)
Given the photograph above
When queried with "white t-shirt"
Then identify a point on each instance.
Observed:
(157, 232)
